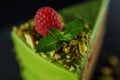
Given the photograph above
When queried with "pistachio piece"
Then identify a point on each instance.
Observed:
(43, 55)
(77, 66)
(64, 44)
(26, 25)
(66, 66)
(57, 56)
(31, 23)
(82, 48)
(60, 61)
(82, 34)
(71, 68)
(73, 42)
(74, 48)
(52, 53)
(86, 26)
(30, 40)
(68, 60)
(66, 50)
(68, 56)
(21, 31)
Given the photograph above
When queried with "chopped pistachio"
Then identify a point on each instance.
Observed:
(68, 60)
(52, 53)
(60, 61)
(64, 44)
(21, 31)
(73, 42)
(82, 34)
(31, 23)
(82, 48)
(36, 42)
(71, 68)
(77, 66)
(66, 50)
(30, 40)
(68, 56)
(26, 25)
(83, 39)
(43, 55)
(74, 48)
(66, 66)
(86, 26)
(57, 56)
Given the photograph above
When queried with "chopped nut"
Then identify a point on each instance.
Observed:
(43, 55)
(36, 42)
(66, 50)
(66, 66)
(68, 60)
(83, 39)
(60, 61)
(68, 56)
(21, 32)
(57, 56)
(76, 51)
(86, 26)
(77, 66)
(52, 53)
(71, 68)
(74, 48)
(73, 42)
(82, 48)
(31, 23)
(82, 34)
(64, 44)
(26, 25)
(30, 40)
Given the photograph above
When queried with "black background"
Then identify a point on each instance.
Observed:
(14, 12)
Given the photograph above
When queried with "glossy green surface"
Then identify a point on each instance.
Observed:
(37, 68)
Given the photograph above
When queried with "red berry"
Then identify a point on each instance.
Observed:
(45, 19)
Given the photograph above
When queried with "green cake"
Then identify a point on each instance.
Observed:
(72, 51)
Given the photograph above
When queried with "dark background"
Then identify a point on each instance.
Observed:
(14, 12)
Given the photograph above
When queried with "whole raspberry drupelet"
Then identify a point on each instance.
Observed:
(45, 19)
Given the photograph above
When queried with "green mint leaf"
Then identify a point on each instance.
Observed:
(74, 27)
(50, 42)
(54, 31)
(66, 37)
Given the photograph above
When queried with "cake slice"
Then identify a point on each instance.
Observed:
(73, 44)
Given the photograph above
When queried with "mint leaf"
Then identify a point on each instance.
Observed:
(50, 42)
(66, 37)
(74, 27)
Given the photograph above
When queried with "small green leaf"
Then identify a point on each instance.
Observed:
(74, 27)
(66, 37)
(49, 43)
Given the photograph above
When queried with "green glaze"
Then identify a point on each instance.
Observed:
(38, 68)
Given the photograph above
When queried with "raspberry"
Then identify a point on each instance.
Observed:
(45, 19)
